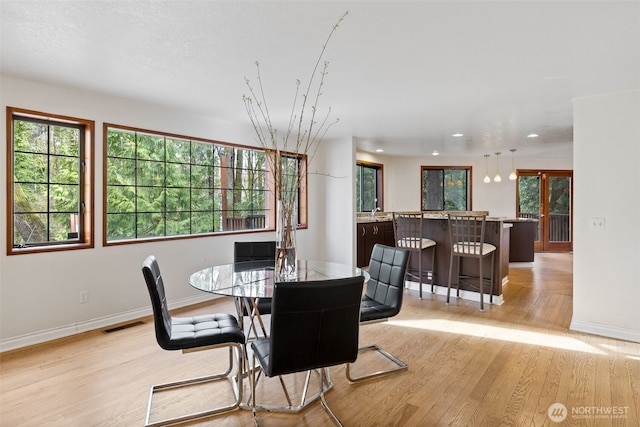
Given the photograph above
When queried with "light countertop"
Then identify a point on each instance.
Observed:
(364, 218)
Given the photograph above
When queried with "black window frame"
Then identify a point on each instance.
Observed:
(378, 170)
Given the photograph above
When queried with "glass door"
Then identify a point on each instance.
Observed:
(547, 197)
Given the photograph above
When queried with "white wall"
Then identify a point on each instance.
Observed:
(39, 292)
(338, 204)
(402, 179)
(606, 264)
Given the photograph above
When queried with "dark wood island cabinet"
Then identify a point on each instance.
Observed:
(522, 240)
(380, 230)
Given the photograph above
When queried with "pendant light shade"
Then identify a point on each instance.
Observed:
(486, 169)
(497, 178)
(513, 175)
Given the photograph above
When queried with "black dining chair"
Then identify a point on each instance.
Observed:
(382, 300)
(255, 251)
(314, 325)
(190, 334)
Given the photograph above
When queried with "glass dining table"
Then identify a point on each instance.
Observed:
(249, 281)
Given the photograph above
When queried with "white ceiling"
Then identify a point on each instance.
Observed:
(403, 75)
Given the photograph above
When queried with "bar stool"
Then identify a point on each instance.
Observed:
(408, 231)
(466, 233)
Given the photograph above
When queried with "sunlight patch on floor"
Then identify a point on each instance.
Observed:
(499, 333)
(627, 354)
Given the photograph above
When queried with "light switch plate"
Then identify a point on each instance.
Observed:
(597, 224)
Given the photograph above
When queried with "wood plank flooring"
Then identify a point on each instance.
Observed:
(503, 367)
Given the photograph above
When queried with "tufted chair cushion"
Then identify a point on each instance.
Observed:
(180, 333)
(383, 297)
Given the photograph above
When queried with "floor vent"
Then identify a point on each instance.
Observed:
(121, 327)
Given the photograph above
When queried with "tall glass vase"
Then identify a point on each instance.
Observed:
(285, 267)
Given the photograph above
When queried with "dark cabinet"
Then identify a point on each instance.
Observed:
(370, 233)
(522, 241)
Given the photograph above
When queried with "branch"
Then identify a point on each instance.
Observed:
(307, 138)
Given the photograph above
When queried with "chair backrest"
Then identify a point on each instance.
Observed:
(314, 324)
(466, 231)
(387, 269)
(161, 316)
(254, 251)
(407, 229)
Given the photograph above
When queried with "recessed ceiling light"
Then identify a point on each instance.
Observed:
(533, 135)
(457, 135)
(435, 153)
(379, 150)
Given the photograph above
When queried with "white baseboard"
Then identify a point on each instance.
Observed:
(90, 325)
(442, 290)
(605, 330)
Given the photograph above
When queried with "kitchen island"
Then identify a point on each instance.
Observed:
(523, 238)
(436, 228)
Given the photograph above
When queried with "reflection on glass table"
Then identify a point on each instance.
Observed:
(251, 280)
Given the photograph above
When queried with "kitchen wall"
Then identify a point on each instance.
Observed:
(402, 179)
(39, 292)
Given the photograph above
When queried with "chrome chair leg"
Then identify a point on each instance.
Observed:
(323, 402)
(399, 365)
(236, 385)
(305, 400)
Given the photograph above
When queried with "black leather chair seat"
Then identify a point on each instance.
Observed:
(198, 331)
(262, 351)
(373, 310)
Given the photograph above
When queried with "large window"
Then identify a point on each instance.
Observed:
(49, 185)
(368, 186)
(446, 188)
(160, 186)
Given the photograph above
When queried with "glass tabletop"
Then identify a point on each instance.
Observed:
(255, 279)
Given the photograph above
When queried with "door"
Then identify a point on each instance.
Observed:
(548, 197)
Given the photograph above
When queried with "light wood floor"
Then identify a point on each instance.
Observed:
(503, 367)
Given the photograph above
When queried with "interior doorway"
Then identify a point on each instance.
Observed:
(547, 195)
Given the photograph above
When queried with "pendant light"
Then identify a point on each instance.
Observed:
(497, 178)
(486, 169)
(513, 175)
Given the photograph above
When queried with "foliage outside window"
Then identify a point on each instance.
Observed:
(368, 186)
(49, 185)
(446, 188)
(160, 186)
